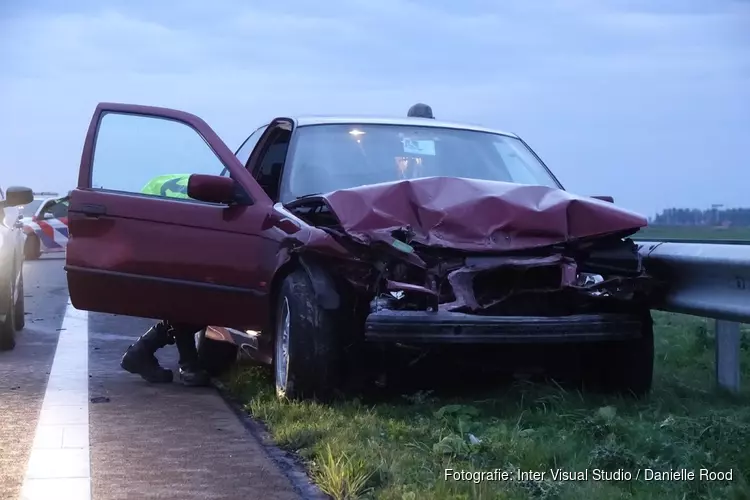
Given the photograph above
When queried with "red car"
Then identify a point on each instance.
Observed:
(320, 234)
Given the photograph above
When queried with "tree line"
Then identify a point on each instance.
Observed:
(735, 217)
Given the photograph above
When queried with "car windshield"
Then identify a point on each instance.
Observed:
(31, 208)
(326, 158)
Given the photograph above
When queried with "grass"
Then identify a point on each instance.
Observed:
(694, 233)
(400, 449)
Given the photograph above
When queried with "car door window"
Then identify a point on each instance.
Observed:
(149, 156)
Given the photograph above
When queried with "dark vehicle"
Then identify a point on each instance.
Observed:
(12, 313)
(322, 237)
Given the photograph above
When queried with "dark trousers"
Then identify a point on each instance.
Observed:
(183, 335)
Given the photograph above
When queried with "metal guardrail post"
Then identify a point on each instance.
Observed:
(728, 355)
(708, 280)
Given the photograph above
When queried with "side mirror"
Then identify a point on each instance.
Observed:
(608, 199)
(212, 189)
(48, 216)
(15, 196)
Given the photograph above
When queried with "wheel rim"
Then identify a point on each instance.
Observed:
(282, 348)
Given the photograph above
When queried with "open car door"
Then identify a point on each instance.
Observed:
(161, 254)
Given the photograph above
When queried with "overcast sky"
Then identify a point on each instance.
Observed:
(648, 100)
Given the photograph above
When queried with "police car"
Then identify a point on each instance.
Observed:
(45, 224)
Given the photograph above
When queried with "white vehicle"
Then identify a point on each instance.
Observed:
(11, 266)
(45, 224)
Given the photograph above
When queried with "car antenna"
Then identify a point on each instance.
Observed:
(420, 110)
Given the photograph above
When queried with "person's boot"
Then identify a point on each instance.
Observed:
(140, 360)
(191, 373)
(194, 376)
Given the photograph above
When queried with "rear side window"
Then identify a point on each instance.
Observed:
(243, 154)
(31, 208)
(57, 210)
(150, 156)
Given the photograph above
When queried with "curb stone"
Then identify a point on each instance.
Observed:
(289, 464)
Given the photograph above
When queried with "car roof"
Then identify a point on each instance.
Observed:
(303, 121)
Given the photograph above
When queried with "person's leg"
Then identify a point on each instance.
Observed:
(191, 373)
(140, 359)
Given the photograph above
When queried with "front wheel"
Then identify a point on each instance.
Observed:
(7, 327)
(307, 354)
(32, 248)
(20, 308)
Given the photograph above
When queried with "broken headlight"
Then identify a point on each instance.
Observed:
(586, 280)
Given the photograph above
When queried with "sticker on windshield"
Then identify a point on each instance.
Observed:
(416, 147)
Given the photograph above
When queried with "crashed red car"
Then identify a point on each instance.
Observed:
(322, 233)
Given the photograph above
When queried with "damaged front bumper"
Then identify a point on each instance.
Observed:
(412, 284)
(445, 327)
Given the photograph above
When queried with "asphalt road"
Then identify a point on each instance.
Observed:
(115, 436)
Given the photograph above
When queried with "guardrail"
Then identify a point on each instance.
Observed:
(710, 280)
(687, 240)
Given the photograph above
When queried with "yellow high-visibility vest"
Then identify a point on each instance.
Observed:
(170, 185)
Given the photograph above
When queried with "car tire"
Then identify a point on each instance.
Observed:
(623, 367)
(307, 349)
(7, 327)
(20, 308)
(216, 357)
(32, 248)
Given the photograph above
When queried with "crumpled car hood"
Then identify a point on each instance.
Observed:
(475, 215)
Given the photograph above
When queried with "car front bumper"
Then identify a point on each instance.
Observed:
(444, 327)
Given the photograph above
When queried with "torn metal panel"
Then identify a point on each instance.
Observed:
(477, 247)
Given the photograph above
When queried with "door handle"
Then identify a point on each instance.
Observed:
(92, 210)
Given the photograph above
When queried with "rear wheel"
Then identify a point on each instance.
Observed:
(307, 354)
(20, 308)
(625, 367)
(32, 248)
(7, 327)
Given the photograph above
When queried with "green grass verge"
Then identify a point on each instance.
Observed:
(401, 449)
(694, 233)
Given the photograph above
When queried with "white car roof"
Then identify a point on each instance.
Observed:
(363, 120)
